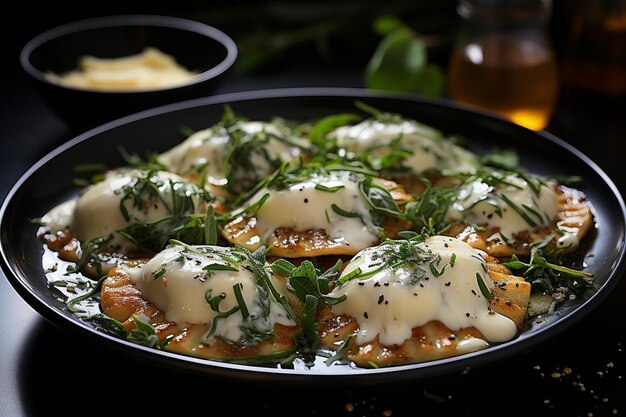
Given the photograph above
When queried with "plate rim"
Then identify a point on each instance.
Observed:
(225, 369)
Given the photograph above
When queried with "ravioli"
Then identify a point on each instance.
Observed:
(415, 147)
(566, 216)
(234, 155)
(206, 300)
(129, 213)
(416, 301)
(324, 214)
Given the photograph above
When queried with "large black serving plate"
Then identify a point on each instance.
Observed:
(49, 182)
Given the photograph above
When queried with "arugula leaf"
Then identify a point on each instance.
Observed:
(544, 271)
(318, 135)
(311, 288)
(428, 211)
(379, 198)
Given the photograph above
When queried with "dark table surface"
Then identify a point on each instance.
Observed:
(45, 370)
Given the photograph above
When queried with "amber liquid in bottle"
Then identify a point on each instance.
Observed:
(514, 78)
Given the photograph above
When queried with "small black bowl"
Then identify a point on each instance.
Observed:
(194, 45)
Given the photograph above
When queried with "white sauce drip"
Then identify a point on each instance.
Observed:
(476, 204)
(97, 211)
(394, 306)
(180, 291)
(209, 148)
(303, 207)
(429, 150)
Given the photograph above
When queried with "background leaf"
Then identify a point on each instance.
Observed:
(400, 63)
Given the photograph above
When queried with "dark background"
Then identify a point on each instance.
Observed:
(44, 370)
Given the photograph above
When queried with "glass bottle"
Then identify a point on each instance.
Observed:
(503, 61)
(595, 51)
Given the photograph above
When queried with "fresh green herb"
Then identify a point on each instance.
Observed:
(282, 267)
(284, 358)
(210, 227)
(145, 335)
(429, 210)
(379, 199)
(570, 181)
(217, 317)
(249, 210)
(71, 304)
(343, 212)
(151, 163)
(318, 135)
(322, 187)
(219, 267)
(539, 267)
(89, 255)
(257, 261)
(307, 336)
(500, 158)
(349, 276)
(107, 324)
(517, 209)
(400, 63)
(507, 240)
(240, 301)
(483, 287)
(394, 254)
(310, 286)
(158, 274)
(339, 352)
(214, 301)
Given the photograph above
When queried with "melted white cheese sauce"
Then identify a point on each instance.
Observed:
(389, 304)
(97, 211)
(429, 150)
(302, 207)
(209, 148)
(175, 281)
(60, 217)
(481, 204)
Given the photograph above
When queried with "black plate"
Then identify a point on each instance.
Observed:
(49, 182)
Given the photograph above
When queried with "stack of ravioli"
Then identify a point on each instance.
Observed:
(376, 241)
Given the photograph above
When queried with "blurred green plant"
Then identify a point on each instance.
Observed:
(400, 62)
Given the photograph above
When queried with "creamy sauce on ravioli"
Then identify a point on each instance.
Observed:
(206, 151)
(428, 149)
(181, 281)
(388, 302)
(316, 204)
(98, 212)
(512, 207)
